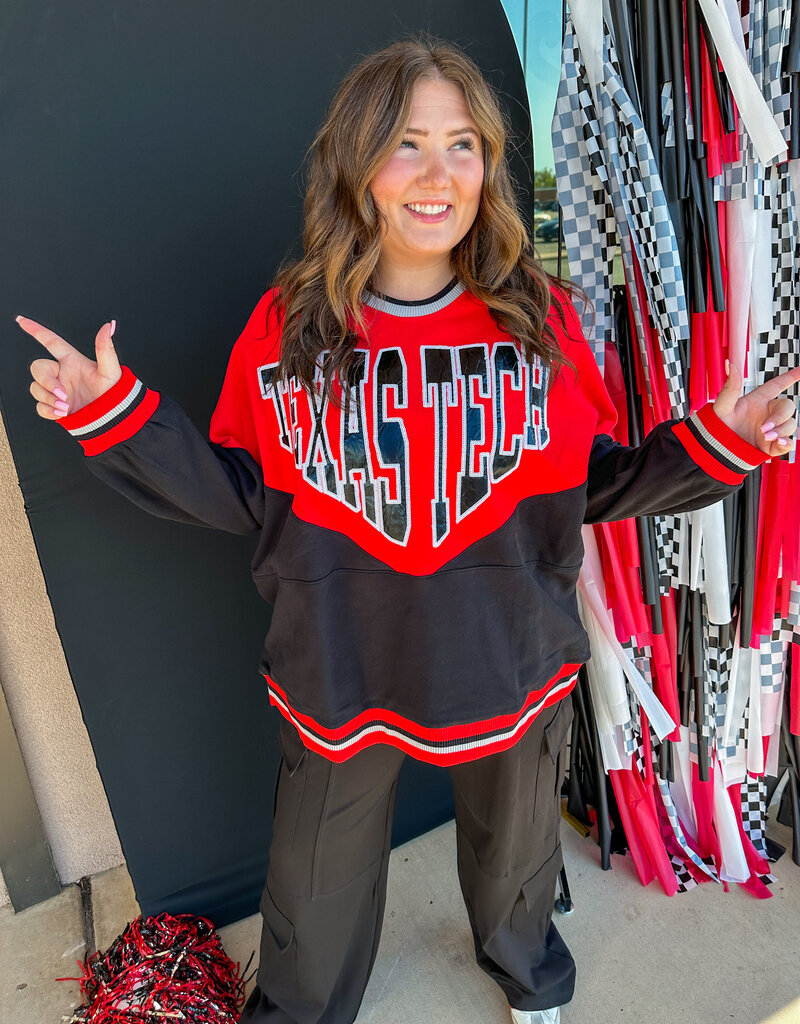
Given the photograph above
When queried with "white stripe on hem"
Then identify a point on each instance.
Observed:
(718, 446)
(111, 414)
(457, 746)
(395, 309)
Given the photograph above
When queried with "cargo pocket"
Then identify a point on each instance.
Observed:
(555, 736)
(277, 935)
(290, 783)
(552, 766)
(534, 906)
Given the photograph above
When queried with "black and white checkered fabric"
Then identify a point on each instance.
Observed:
(772, 655)
(632, 729)
(787, 630)
(754, 818)
(767, 35)
(671, 534)
(735, 182)
(668, 115)
(645, 228)
(604, 147)
(736, 750)
(682, 873)
(717, 660)
(754, 812)
(744, 728)
(792, 620)
(671, 814)
(765, 26)
(780, 348)
(587, 214)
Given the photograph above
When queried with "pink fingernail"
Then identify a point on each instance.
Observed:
(113, 328)
(61, 407)
(727, 367)
(767, 426)
(770, 436)
(783, 441)
(60, 393)
(57, 414)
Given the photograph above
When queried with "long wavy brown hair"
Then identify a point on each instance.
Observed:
(320, 295)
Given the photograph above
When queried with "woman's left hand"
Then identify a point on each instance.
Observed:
(762, 417)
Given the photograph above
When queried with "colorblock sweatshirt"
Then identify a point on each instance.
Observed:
(421, 543)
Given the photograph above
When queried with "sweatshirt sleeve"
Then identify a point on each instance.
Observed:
(144, 445)
(679, 466)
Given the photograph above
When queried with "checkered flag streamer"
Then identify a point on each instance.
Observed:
(671, 815)
(682, 873)
(632, 729)
(668, 115)
(744, 727)
(716, 661)
(776, 86)
(772, 657)
(587, 215)
(768, 34)
(791, 624)
(754, 812)
(640, 203)
(780, 350)
(668, 531)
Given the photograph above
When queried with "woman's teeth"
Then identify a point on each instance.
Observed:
(427, 207)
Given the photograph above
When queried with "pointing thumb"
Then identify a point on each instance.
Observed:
(107, 361)
(730, 393)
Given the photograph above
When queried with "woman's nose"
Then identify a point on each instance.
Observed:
(435, 173)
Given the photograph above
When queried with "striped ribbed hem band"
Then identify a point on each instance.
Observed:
(113, 417)
(716, 448)
(440, 746)
(402, 307)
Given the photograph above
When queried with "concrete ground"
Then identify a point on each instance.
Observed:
(705, 957)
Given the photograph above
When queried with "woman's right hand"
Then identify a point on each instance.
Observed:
(70, 380)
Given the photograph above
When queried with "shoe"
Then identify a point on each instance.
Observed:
(552, 1016)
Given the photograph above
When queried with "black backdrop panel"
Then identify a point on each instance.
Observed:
(150, 173)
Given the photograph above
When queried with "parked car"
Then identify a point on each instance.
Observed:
(548, 230)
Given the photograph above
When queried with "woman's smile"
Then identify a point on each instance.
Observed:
(430, 212)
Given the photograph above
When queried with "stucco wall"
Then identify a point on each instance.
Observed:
(42, 702)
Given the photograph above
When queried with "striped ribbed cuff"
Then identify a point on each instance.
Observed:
(113, 417)
(716, 448)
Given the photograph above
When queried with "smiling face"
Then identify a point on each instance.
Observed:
(428, 191)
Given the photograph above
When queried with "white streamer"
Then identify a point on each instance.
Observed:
(759, 122)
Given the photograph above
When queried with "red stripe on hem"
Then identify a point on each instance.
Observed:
(729, 438)
(126, 428)
(443, 758)
(703, 457)
(377, 716)
(100, 406)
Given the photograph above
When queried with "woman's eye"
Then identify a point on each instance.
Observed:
(408, 142)
(466, 143)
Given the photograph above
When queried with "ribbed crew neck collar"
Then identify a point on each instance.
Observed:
(414, 307)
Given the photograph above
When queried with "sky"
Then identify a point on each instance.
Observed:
(539, 45)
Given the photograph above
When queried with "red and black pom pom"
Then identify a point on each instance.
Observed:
(161, 969)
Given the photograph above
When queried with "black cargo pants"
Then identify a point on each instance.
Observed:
(325, 891)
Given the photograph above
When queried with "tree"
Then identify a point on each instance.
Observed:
(544, 178)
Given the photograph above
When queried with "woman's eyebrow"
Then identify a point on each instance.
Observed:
(457, 131)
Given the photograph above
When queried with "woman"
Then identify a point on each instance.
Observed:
(414, 423)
